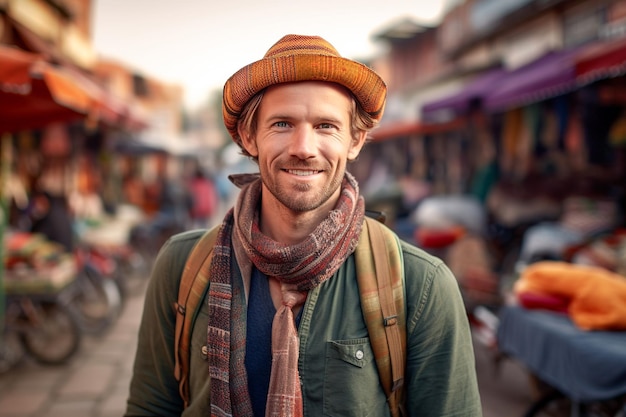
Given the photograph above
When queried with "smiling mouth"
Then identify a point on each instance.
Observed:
(302, 172)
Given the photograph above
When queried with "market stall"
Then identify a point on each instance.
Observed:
(586, 366)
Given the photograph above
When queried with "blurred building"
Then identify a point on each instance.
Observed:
(68, 111)
(526, 93)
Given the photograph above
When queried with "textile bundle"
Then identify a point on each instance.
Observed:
(595, 297)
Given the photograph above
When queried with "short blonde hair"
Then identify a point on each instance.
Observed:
(361, 121)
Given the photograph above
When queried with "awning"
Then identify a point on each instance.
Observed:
(15, 69)
(460, 102)
(553, 74)
(604, 60)
(35, 93)
(549, 76)
(399, 129)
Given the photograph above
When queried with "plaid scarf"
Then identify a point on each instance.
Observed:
(299, 268)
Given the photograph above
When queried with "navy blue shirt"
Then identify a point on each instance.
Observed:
(258, 360)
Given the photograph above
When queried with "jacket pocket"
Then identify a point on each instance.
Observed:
(351, 384)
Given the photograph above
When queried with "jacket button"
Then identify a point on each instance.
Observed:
(205, 351)
(359, 354)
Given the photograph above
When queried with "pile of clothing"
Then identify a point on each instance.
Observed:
(593, 296)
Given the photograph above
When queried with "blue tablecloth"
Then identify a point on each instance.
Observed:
(586, 366)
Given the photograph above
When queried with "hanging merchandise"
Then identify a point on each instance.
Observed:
(55, 141)
(510, 137)
(617, 134)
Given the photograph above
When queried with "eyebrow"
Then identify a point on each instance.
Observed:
(322, 119)
(332, 120)
(279, 116)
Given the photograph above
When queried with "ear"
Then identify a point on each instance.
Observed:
(248, 142)
(356, 145)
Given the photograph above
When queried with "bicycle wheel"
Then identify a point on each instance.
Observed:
(97, 301)
(553, 404)
(53, 336)
(11, 351)
(615, 407)
(557, 405)
(133, 273)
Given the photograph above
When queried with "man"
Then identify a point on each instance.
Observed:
(283, 267)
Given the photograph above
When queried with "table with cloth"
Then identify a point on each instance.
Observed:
(587, 366)
(574, 336)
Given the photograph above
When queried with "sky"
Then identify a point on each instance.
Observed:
(198, 44)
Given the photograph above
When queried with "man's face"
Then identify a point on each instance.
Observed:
(303, 142)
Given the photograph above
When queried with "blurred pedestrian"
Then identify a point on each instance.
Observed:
(50, 216)
(133, 190)
(204, 198)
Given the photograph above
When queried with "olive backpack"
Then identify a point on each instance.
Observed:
(380, 278)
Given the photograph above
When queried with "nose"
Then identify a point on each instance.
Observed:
(302, 143)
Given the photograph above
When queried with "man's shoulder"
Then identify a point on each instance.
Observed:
(413, 256)
(176, 249)
(416, 255)
(423, 270)
(186, 237)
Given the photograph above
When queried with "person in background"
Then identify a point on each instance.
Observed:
(50, 215)
(133, 190)
(284, 267)
(85, 199)
(204, 199)
(173, 200)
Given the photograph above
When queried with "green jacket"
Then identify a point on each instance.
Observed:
(337, 368)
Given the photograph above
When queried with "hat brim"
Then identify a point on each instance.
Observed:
(366, 85)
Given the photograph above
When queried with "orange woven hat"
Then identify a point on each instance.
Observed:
(301, 58)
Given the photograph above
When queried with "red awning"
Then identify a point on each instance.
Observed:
(604, 60)
(394, 130)
(16, 64)
(34, 93)
(27, 92)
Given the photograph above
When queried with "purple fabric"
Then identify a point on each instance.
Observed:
(460, 102)
(549, 76)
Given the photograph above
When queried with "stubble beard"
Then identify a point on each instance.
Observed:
(302, 197)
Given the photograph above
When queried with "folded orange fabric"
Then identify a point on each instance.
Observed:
(597, 296)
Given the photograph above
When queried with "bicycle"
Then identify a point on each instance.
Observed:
(37, 321)
(96, 299)
(553, 403)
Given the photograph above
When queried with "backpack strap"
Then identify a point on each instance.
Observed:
(380, 278)
(192, 289)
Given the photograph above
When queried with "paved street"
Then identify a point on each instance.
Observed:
(505, 392)
(95, 382)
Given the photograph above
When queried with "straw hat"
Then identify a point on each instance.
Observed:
(301, 58)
